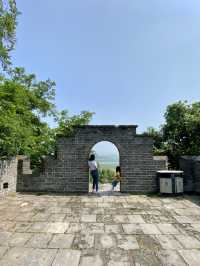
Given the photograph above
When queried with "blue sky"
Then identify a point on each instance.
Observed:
(124, 60)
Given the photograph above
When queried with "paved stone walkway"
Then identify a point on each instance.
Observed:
(106, 229)
(105, 188)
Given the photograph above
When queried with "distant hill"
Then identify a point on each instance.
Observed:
(108, 158)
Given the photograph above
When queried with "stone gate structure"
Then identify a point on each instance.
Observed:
(68, 172)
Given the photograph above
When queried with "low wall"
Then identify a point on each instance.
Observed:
(50, 180)
(15, 175)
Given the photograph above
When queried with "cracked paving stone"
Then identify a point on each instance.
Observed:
(192, 256)
(150, 229)
(7, 226)
(40, 217)
(114, 263)
(188, 242)
(132, 229)
(57, 217)
(92, 228)
(38, 227)
(168, 242)
(91, 261)
(115, 229)
(170, 258)
(88, 218)
(120, 218)
(18, 239)
(196, 227)
(127, 242)
(74, 228)
(67, 257)
(61, 241)
(118, 256)
(106, 219)
(168, 229)
(83, 242)
(104, 241)
(3, 251)
(18, 256)
(74, 218)
(9, 216)
(158, 219)
(148, 242)
(25, 217)
(145, 258)
(57, 227)
(4, 236)
(22, 227)
(135, 219)
(39, 240)
(187, 219)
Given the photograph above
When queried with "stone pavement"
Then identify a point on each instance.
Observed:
(106, 229)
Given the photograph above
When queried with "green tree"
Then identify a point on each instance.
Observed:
(67, 123)
(8, 23)
(157, 135)
(106, 175)
(181, 130)
(179, 135)
(23, 103)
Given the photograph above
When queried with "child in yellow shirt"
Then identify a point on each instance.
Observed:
(117, 177)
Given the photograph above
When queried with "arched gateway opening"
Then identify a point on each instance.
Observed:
(107, 157)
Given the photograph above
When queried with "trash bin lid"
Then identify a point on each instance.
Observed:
(170, 172)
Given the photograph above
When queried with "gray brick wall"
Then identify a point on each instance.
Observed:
(69, 171)
(191, 167)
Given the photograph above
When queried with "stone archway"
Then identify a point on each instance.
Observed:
(69, 171)
(74, 151)
(136, 157)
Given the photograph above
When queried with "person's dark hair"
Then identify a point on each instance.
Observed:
(92, 157)
(118, 169)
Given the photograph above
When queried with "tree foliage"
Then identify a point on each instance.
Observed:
(106, 175)
(23, 101)
(8, 23)
(180, 134)
(157, 135)
(67, 123)
(181, 131)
